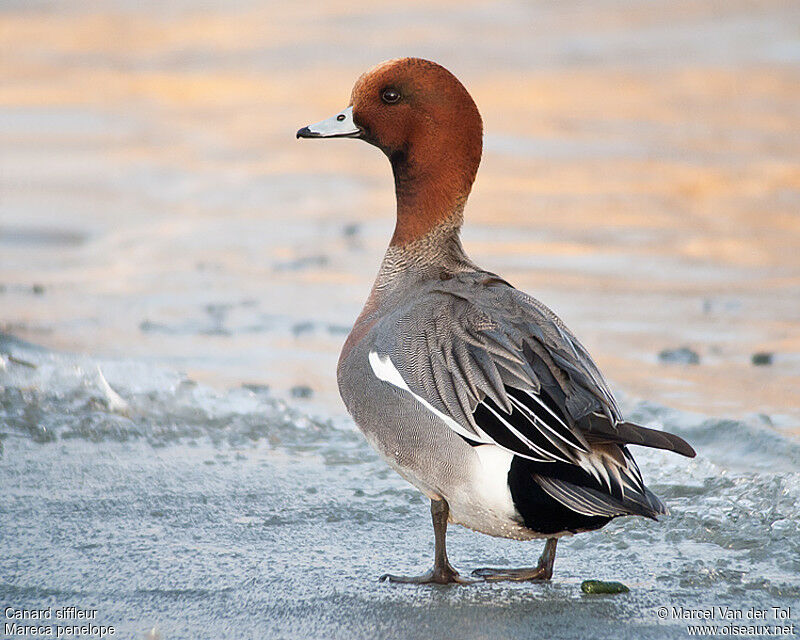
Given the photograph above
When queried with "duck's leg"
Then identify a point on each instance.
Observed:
(542, 571)
(442, 572)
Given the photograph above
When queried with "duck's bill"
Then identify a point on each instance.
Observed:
(339, 126)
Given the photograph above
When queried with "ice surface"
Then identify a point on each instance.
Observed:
(164, 504)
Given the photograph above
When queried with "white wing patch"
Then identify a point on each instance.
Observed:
(384, 369)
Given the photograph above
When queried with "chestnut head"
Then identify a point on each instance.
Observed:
(413, 110)
(425, 121)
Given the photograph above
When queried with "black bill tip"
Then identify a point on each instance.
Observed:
(305, 132)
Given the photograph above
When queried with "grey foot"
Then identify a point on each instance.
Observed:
(542, 571)
(434, 576)
(515, 575)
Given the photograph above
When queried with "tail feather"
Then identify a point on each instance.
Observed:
(597, 428)
(591, 502)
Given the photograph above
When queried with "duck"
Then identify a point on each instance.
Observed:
(472, 390)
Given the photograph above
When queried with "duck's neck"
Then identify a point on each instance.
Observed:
(432, 185)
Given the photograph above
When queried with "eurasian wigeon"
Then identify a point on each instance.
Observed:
(473, 391)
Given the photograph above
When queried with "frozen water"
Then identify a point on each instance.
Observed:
(164, 504)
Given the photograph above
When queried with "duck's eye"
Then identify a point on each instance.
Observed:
(390, 96)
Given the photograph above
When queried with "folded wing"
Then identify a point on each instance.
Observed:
(501, 368)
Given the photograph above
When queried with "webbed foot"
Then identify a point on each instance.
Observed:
(543, 571)
(446, 575)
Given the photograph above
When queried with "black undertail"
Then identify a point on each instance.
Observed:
(540, 512)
